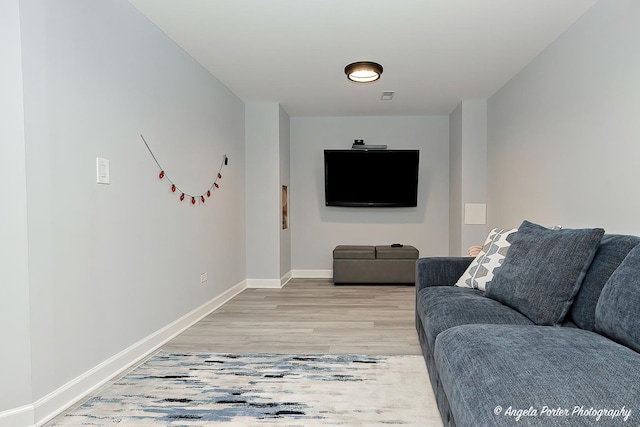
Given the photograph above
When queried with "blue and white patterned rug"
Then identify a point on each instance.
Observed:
(203, 389)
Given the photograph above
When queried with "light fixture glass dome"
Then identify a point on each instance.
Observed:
(363, 71)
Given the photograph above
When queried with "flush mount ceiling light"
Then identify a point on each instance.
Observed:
(363, 71)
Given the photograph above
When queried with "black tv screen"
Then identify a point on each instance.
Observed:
(371, 178)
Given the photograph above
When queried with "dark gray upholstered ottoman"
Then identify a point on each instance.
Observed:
(374, 264)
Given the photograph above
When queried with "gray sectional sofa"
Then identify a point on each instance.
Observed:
(553, 340)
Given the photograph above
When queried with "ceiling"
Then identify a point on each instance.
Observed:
(435, 53)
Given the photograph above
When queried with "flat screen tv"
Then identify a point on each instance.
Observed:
(371, 178)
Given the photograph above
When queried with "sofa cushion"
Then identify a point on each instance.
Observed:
(491, 371)
(612, 250)
(490, 258)
(439, 271)
(618, 309)
(442, 307)
(543, 271)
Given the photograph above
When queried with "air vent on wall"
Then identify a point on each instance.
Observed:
(387, 96)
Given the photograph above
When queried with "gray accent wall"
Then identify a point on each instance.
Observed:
(108, 265)
(317, 229)
(564, 134)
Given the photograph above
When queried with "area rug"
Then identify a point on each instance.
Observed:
(204, 389)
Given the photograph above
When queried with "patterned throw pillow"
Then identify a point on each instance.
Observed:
(490, 258)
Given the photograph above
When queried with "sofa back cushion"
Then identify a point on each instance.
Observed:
(619, 303)
(543, 271)
(612, 250)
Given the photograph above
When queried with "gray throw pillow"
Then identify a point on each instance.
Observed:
(543, 270)
(617, 309)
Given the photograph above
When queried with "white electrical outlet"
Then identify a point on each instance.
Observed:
(203, 277)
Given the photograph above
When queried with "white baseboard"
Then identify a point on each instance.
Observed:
(57, 401)
(264, 283)
(312, 274)
(292, 274)
(44, 409)
(22, 416)
(285, 279)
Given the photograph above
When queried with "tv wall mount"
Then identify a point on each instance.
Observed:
(358, 144)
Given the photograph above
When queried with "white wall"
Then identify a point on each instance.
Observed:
(456, 205)
(564, 134)
(474, 168)
(111, 264)
(263, 193)
(15, 358)
(467, 173)
(267, 151)
(285, 179)
(106, 266)
(317, 229)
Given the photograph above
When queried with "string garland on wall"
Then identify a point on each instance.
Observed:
(184, 195)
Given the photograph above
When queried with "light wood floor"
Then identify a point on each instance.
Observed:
(306, 316)
(309, 316)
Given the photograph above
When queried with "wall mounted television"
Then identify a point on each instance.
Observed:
(371, 178)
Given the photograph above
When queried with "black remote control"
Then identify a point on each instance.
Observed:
(397, 245)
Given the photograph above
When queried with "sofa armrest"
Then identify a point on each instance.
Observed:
(440, 271)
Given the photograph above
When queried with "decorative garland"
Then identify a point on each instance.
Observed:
(175, 188)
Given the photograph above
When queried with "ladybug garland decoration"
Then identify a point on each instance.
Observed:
(174, 187)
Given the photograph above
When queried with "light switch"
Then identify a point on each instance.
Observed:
(102, 170)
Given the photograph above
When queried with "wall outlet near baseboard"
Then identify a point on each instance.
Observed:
(203, 277)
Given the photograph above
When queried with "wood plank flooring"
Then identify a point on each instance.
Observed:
(306, 316)
(309, 316)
